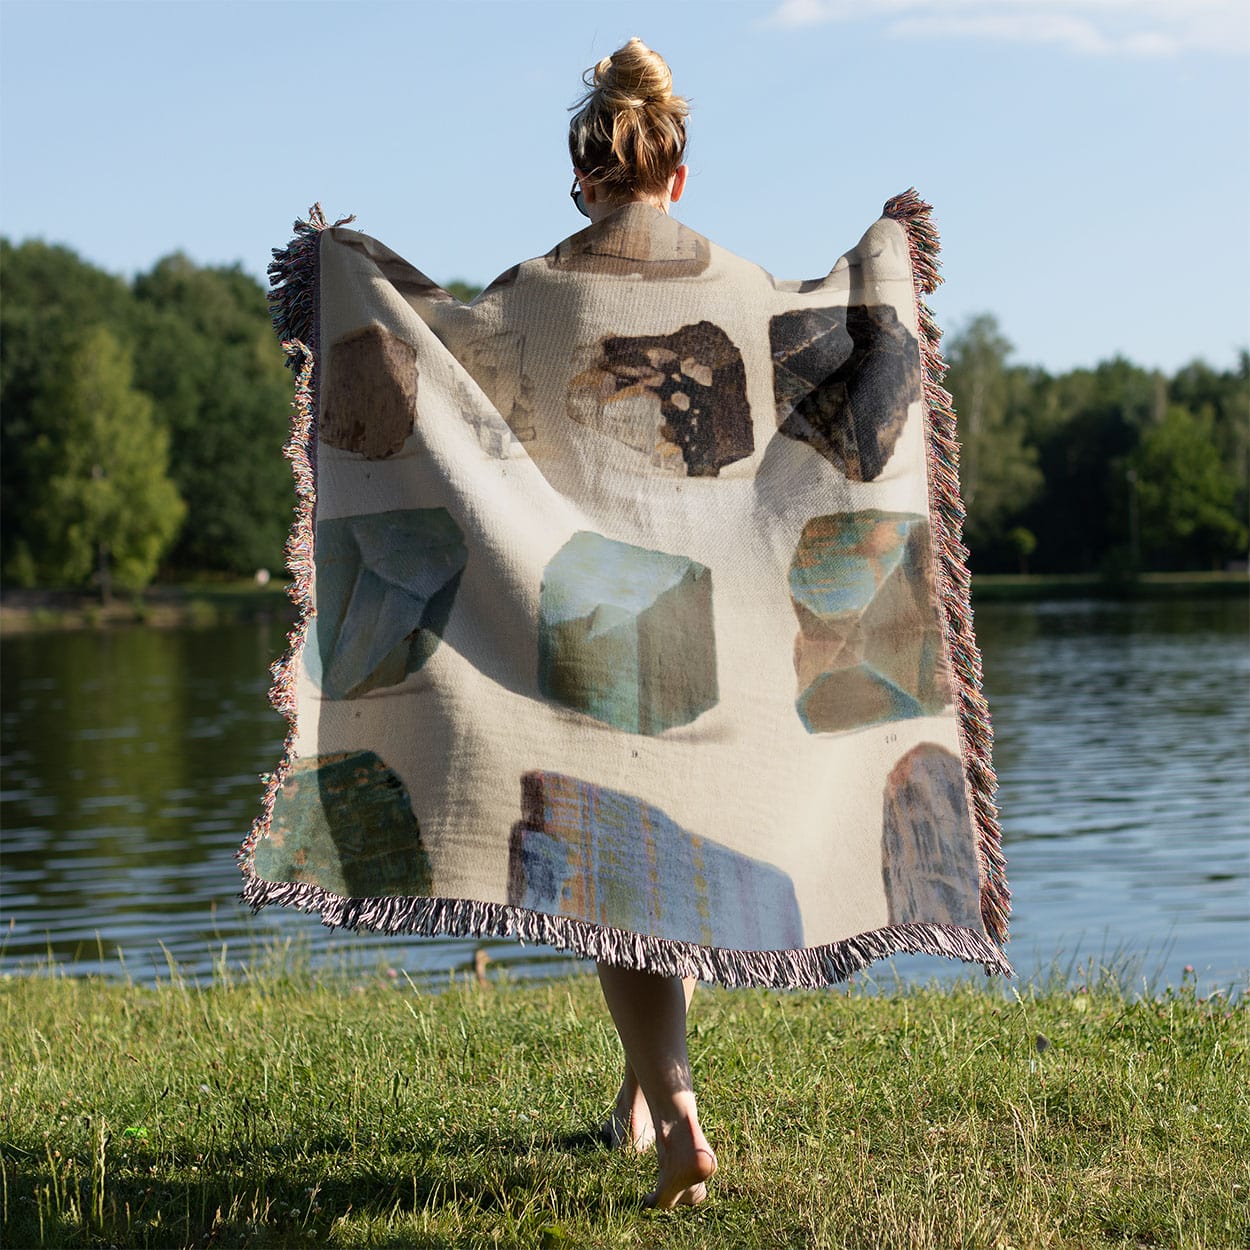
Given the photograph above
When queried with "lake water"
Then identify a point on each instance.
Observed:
(131, 759)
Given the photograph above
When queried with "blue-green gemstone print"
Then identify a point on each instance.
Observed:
(869, 647)
(344, 823)
(385, 586)
(625, 634)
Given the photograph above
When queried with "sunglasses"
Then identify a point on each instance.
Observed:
(576, 196)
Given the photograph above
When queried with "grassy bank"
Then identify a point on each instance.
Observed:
(189, 603)
(996, 587)
(283, 1110)
(214, 603)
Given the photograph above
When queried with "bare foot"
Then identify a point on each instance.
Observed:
(629, 1125)
(686, 1165)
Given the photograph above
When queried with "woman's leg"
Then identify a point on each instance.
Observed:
(650, 1015)
(629, 1123)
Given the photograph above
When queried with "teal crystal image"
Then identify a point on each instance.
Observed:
(385, 585)
(608, 858)
(344, 823)
(869, 647)
(625, 634)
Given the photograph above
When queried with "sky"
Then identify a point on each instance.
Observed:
(1088, 160)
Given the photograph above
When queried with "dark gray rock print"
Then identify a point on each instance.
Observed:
(842, 380)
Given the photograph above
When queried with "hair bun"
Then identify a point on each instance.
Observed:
(629, 130)
(633, 77)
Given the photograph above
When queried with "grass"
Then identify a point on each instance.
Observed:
(285, 1108)
(192, 603)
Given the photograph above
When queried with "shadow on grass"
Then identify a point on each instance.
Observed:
(252, 1198)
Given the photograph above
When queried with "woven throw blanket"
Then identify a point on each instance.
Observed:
(634, 614)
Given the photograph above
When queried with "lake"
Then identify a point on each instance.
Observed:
(130, 774)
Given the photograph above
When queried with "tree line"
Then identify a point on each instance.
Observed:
(143, 422)
(1112, 470)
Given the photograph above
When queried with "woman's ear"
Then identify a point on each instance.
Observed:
(678, 185)
(588, 186)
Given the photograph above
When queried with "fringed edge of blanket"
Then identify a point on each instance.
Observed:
(954, 581)
(293, 284)
(293, 305)
(806, 968)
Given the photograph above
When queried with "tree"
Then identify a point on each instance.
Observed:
(464, 291)
(1094, 468)
(51, 298)
(1023, 542)
(103, 501)
(1186, 495)
(208, 357)
(1086, 426)
(997, 467)
(1223, 399)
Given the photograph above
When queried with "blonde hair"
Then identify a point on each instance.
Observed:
(629, 133)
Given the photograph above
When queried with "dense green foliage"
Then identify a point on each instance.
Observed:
(208, 356)
(284, 1110)
(1114, 470)
(105, 501)
(215, 399)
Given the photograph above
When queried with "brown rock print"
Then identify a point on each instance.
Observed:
(496, 363)
(680, 397)
(843, 379)
(928, 856)
(371, 393)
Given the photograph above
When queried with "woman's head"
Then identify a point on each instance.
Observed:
(629, 132)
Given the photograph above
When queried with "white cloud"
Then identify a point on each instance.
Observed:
(1137, 28)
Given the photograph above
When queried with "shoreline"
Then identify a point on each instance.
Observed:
(1017, 587)
(203, 604)
(172, 606)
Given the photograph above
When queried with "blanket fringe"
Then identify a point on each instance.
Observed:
(293, 304)
(954, 581)
(809, 968)
(293, 282)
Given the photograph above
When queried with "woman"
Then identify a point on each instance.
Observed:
(639, 624)
(628, 141)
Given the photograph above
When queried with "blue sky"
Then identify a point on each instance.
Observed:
(1088, 160)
